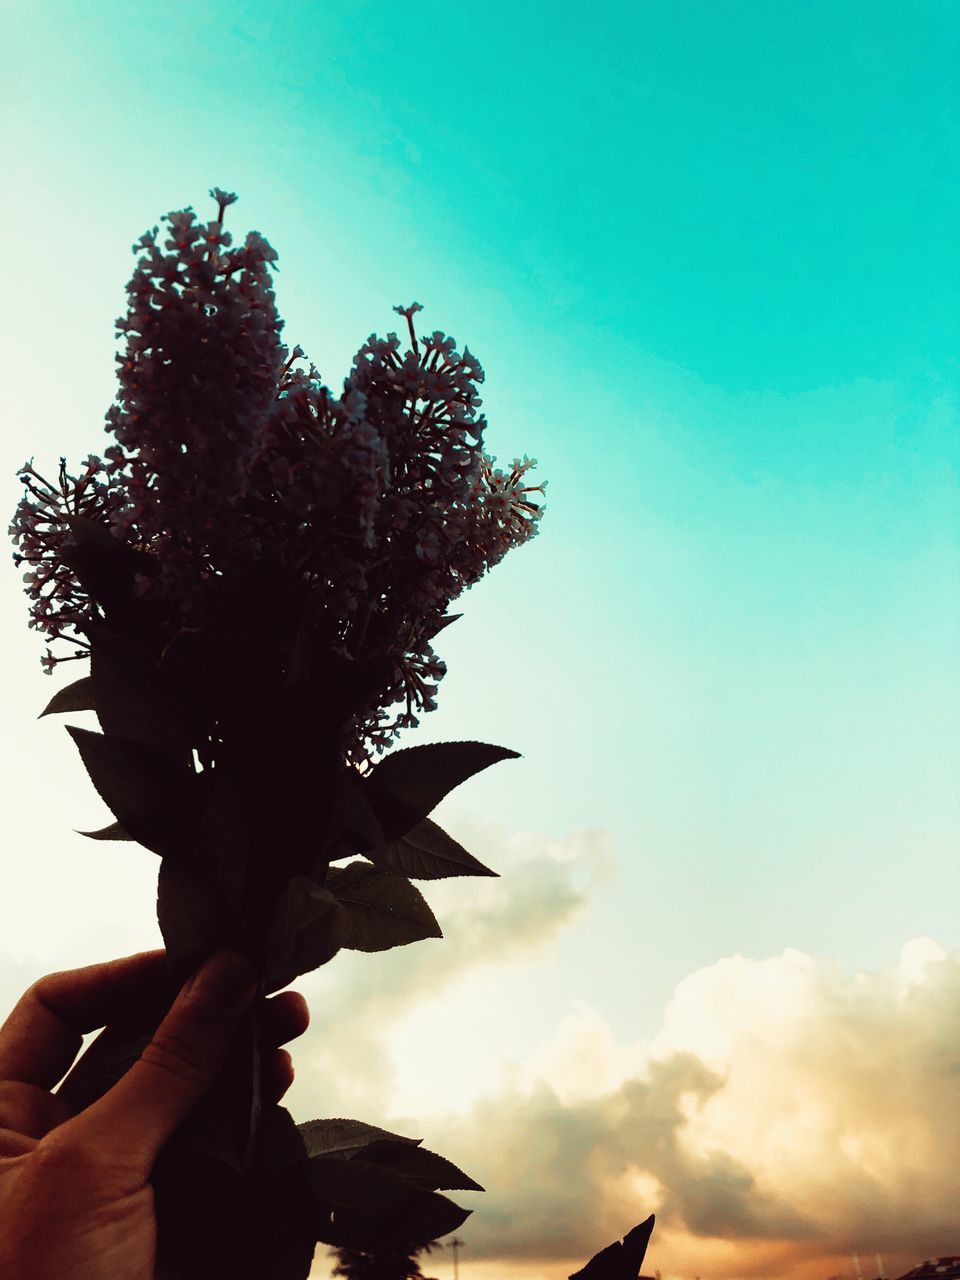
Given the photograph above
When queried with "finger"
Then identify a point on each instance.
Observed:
(27, 1110)
(277, 1075)
(188, 1052)
(284, 1017)
(42, 1036)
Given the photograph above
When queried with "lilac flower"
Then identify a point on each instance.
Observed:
(379, 505)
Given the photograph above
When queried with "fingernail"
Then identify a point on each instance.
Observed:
(226, 976)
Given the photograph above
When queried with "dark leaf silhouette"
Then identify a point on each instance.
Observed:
(415, 1163)
(406, 785)
(153, 799)
(112, 832)
(308, 927)
(386, 910)
(621, 1260)
(133, 700)
(281, 1141)
(194, 919)
(428, 853)
(344, 1138)
(74, 697)
(363, 1205)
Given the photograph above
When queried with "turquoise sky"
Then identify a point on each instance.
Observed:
(707, 256)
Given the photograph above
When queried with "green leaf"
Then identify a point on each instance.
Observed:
(133, 699)
(74, 697)
(153, 799)
(406, 785)
(423, 1167)
(344, 1138)
(113, 832)
(307, 928)
(386, 910)
(428, 853)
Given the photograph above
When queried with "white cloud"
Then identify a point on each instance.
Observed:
(786, 1115)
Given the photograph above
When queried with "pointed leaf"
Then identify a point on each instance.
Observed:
(106, 566)
(422, 1220)
(344, 1138)
(419, 1165)
(621, 1260)
(194, 920)
(386, 910)
(133, 698)
(359, 827)
(356, 1184)
(281, 1142)
(428, 853)
(406, 785)
(373, 1207)
(307, 928)
(152, 799)
(74, 697)
(445, 622)
(113, 832)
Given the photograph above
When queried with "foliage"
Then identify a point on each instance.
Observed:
(256, 570)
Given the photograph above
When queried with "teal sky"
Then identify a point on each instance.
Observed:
(707, 256)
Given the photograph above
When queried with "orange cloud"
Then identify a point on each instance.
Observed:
(787, 1115)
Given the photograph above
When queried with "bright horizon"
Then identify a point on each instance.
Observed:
(706, 256)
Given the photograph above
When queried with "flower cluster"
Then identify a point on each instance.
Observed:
(40, 529)
(199, 371)
(379, 506)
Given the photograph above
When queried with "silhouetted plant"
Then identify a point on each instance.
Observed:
(257, 570)
(381, 1264)
(621, 1260)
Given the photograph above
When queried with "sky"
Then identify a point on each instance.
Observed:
(706, 256)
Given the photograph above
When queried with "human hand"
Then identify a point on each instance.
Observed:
(75, 1193)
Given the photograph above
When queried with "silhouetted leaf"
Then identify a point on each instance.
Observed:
(445, 622)
(113, 832)
(223, 837)
(406, 785)
(356, 1184)
(344, 1138)
(621, 1260)
(428, 853)
(422, 1220)
(423, 1167)
(194, 919)
(373, 1205)
(74, 697)
(153, 799)
(132, 697)
(358, 823)
(106, 566)
(281, 1141)
(308, 927)
(386, 910)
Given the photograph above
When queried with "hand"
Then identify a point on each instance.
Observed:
(75, 1193)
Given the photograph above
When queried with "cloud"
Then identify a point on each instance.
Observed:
(786, 1115)
(345, 1062)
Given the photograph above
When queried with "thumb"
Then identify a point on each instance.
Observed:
(187, 1054)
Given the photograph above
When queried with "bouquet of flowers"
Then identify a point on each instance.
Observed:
(257, 571)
